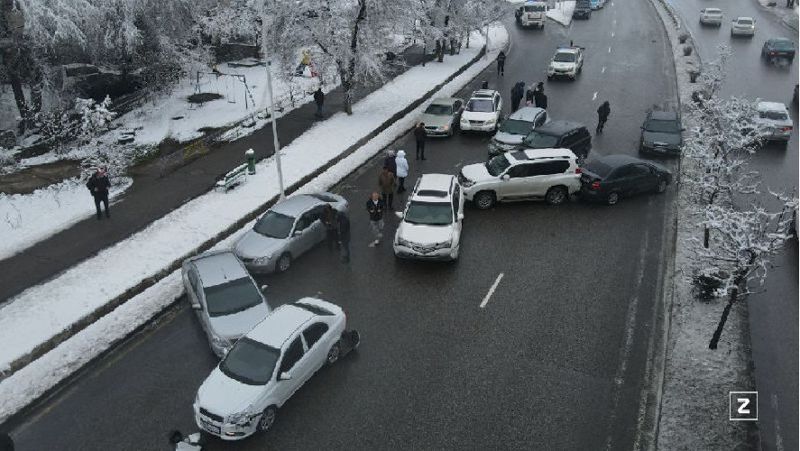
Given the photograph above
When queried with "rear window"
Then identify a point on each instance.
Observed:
(599, 168)
(774, 115)
(319, 311)
(535, 8)
(782, 44)
(439, 110)
(745, 22)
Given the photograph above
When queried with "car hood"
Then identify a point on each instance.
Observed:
(224, 396)
(254, 245)
(424, 234)
(671, 139)
(435, 120)
(562, 66)
(233, 326)
(476, 116)
(476, 172)
(508, 138)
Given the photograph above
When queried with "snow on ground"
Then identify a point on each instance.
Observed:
(42, 311)
(696, 380)
(562, 12)
(788, 16)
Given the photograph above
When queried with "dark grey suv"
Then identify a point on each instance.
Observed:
(561, 134)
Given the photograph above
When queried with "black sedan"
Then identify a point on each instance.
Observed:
(661, 133)
(607, 179)
(776, 48)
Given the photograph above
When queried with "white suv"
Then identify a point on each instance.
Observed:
(549, 174)
(266, 366)
(430, 227)
(483, 111)
(566, 62)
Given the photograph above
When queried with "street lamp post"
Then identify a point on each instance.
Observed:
(274, 118)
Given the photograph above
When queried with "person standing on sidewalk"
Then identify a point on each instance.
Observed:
(343, 235)
(517, 93)
(501, 63)
(602, 116)
(390, 162)
(98, 185)
(402, 170)
(319, 99)
(375, 210)
(386, 182)
(420, 136)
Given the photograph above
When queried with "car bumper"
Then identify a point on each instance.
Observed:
(774, 54)
(553, 74)
(660, 150)
(436, 133)
(582, 13)
(478, 127)
(777, 136)
(266, 268)
(532, 23)
(224, 431)
(591, 195)
(420, 253)
(743, 32)
(711, 21)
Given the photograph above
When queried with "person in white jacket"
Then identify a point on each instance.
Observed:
(402, 170)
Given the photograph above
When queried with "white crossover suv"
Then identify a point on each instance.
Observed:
(483, 111)
(773, 121)
(266, 366)
(743, 26)
(566, 62)
(549, 174)
(430, 226)
(711, 16)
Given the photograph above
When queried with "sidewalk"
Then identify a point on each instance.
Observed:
(52, 329)
(152, 196)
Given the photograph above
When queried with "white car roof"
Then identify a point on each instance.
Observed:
(279, 325)
(745, 18)
(217, 268)
(712, 10)
(527, 113)
(772, 106)
(433, 187)
(538, 154)
(568, 50)
(484, 93)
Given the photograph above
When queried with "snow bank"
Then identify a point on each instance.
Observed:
(562, 12)
(43, 311)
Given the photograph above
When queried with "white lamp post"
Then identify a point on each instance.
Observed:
(273, 117)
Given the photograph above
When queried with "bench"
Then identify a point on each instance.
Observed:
(232, 178)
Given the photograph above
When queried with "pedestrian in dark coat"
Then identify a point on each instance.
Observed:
(6, 444)
(540, 99)
(386, 182)
(420, 136)
(529, 96)
(602, 116)
(517, 92)
(319, 99)
(329, 221)
(501, 63)
(343, 234)
(375, 208)
(98, 185)
(390, 162)
(485, 85)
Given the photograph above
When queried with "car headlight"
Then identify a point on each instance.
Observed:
(491, 121)
(402, 242)
(445, 127)
(241, 418)
(443, 245)
(466, 183)
(262, 260)
(464, 120)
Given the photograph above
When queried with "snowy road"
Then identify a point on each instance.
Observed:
(556, 357)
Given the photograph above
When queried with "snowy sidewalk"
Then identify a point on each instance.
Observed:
(562, 12)
(45, 315)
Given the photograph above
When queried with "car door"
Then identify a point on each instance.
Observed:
(540, 119)
(290, 364)
(317, 350)
(619, 180)
(647, 178)
(547, 174)
(305, 234)
(518, 183)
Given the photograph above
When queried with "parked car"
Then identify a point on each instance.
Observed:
(513, 130)
(711, 16)
(532, 14)
(774, 121)
(661, 133)
(566, 62)
(607, 179)
(743, 26)
(583, 10)
(267, 366)
(286, 231)
(778, 48)
(560, 134)
(442, 116)
(225, 298)
(430, 225)
(483, 112)
(595, 4)
(531, 174)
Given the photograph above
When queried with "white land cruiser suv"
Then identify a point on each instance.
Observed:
(482, 112)
(549, 174)
(567, 62)
(430, 226)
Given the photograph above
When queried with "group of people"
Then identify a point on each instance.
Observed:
(534, 95)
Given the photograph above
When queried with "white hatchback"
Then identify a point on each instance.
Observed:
(430, 226)
(483, 111)
(711, 16)
(774, 121)
(743, 26)
(266, 366)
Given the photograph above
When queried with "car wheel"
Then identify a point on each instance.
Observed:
(267, 418)
(485, 200)
(333, 354)
(284, 262)
(662, 186)
(556, 195)
(613, 198)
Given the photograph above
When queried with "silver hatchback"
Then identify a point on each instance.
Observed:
(286, 231)
(226, 299)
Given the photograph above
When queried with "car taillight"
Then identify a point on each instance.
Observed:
(595, 185)
(578, 170)
(786, 129)
(772, 53)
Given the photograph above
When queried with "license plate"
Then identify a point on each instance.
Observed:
(211, 428)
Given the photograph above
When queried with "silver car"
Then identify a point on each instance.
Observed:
(513, 130)
(442, 115)
(286, 231)
(226, 299)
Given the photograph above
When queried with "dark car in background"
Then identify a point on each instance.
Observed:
(661, 133)
(560, 134)
(778, 48)
(608, 179)
(583, 10)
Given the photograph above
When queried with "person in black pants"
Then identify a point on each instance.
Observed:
(501, 63)
(420, 135)
(343, 235)
(602, 116)
(319, 99)
(329, 221)
(98, 185)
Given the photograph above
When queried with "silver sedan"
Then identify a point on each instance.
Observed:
(286, 231)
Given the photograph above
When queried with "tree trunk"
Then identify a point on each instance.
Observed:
(11, 60)
(721, 325)
(347, 80)
(706, 236)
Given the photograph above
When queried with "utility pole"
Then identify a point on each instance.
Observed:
(273, 117)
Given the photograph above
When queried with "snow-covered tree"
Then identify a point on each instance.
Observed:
(95, 117)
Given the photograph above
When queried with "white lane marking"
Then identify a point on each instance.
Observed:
(491, 290)
(603, 70)
(778, 435)
(614, 22)
(609, 50)
(612, 34)
(612, 3)
(594, 96)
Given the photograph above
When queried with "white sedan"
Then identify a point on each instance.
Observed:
(711, 16)
(266, 366)
(774, 121)
(743, 26)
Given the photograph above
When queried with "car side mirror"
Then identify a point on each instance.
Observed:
(399, 214)
(461, 216)
(264, 287)
(298, 232)
(197, 307)
(285, 376)
(505, 177)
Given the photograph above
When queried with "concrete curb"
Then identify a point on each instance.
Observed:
(87, 320)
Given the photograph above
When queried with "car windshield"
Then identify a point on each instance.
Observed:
(782, 44)
(232, 297)
(497, 165)
(564, 57)
(439, 110)
(274, 225)
(774, 115)
(429, 213)
(598, 167)
(658, 126)
(538, 140)
(480, 105)
(535, 8)
(250, 362)
(713, 12)
(745, 22)
(516, 127)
